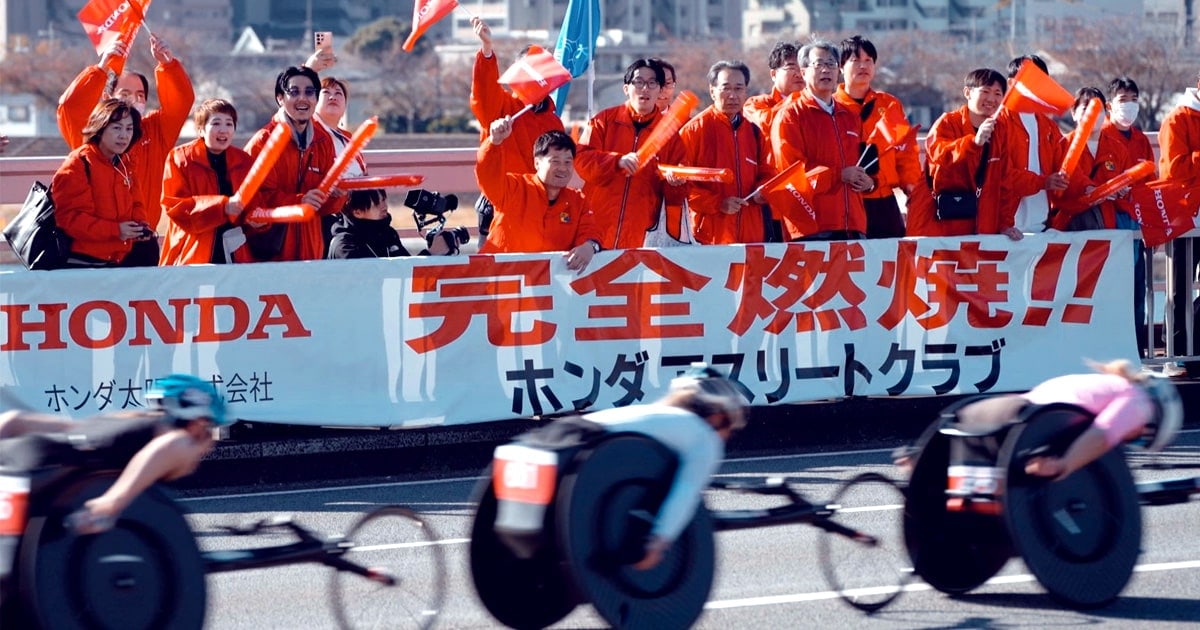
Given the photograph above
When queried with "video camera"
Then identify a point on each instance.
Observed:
(428, 208)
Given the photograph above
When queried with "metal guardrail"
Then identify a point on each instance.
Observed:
(445, 170)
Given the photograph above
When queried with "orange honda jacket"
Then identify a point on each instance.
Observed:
(1052, 147)
(490, 102)
(710, 140)
(626, 207)
(760, 109)
(91, 201)
(1179, 143)
(953, 157)
(526, 221)
(193, 205)
(297, 172)
(1110, 160)
(804, 132)
(160, 127)
(899, 167)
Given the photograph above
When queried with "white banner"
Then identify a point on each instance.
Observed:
(420, 341)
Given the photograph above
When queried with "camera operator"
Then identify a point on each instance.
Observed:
(364, 230)
(537, 212)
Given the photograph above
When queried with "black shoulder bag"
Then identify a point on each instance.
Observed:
(964, 204)
(33, 234)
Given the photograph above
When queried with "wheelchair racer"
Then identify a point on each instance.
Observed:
(700, 412)
(166, 441)
(1141, 409)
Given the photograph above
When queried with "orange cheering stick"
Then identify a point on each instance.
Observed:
(1133, 174)
(698, 173)
(357, 143)
(1091, 116)
(381, 181)
(298, 213)
(671, 121)
(303, 212)
(276, 143)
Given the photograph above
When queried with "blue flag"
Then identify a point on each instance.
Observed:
(576, 42)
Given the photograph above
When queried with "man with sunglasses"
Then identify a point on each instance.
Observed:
(297, 174)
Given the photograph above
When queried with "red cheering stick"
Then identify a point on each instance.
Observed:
(1132, 175)
(298, 213)
(381, 181)
(276, 143)
(676, 115)
(1091, 116)
(698, 173)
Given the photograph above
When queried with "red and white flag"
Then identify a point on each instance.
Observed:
(1164, 210)
(1034, 92)
(105, 20)
(891, 130)
(533, 77)
(425, 13)
(790, 195)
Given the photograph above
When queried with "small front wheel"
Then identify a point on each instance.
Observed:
(405, 584)
(866, 562)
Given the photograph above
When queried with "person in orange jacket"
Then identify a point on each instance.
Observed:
(298, 173)
(813, 128)
(721, 137)
(1103, 159)
(537, 212)
(491, 102)
(200, 190)
(1031, 208)
(626, 196)
(1121, 128)
(1179, 163)
(894, 167)
(955, 149)
(160, 127)
(786, 79)
(95, 191)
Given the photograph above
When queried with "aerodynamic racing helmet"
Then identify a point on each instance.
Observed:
(713, 388)
(1168, 417)
(185, 397)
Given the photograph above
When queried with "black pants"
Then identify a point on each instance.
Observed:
(883, 217)
(833, 235)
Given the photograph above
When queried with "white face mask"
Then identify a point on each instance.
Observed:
(1125, 113)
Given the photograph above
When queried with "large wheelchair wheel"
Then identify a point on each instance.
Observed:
(868, 571)
(519, 593)
(1080, 536)
(399, 545)
(144, 573)
(954, 552)
(605, 511)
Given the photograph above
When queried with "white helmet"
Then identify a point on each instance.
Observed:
(1168, 417)
(713, 388)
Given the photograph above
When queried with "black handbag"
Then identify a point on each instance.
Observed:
(33, 234)
(964, 204)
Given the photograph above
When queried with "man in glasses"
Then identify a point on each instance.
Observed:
(625, 194)
(298, 173)
(813, 128)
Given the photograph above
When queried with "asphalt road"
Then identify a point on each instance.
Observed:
(767, 578)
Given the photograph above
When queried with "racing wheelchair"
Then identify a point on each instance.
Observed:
(972, 507)
(147, 572)
(557, 526)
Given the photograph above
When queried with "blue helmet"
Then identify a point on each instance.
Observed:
(184, 397)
